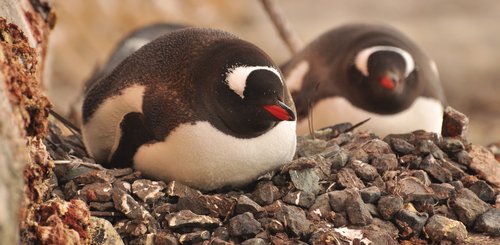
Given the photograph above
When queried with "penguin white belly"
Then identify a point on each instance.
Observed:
(203, 157)
(103, 128)
(424, 113)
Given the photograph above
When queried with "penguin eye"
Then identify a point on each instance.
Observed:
(361, 59)
(242, 79)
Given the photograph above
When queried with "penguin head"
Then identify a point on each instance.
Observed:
(385, 69)
(250, 95)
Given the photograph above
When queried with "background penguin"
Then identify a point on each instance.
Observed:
(198, 106)
(366, 71)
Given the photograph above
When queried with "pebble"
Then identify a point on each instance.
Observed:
(102, 232)
(401, 146)
(339, 160)
(430, 165)
(295, 220)
(389, 205)
(302, 199)
(147, 190)
(265, 193)
(254, 241)
(412, 189)
(128, 205)
(370, 194)
(410, 222)
(244, 225)
(321, 208)
(347, 178)
(186, 218)
(485, 165)
(364, 170)
(245, 204)
(305, 180)
(194, 237)
(385, 162)
(439, 228)
(96, 192)
(451, 145)
(484, 191)
(489, 222)
(357, 211)
(442, 191)
(455, 123)
(422, 176)
(468, 206)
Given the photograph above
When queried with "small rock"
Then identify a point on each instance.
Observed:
(340, 219)
(147, 190)
(412, 161)
(102, 232)
(193, 203)
(128, 206)
(410, 222)
(122, 185)
(387, 226)
(484, 163)
(305, 180)
(339, 160)
(489, 222)
(294, 220)
(440, 228)
(356, 153)
(300, 198)
(347, 178)
(321, 208)
(323, 236)
(463, 158)
(166, 238)
(254, 241)
(308, 147)
(244, 225)
(101, 176)
(401, 146)
(422, 176)
(483, 191)
(101, 206)
(457, 184)
(96, 192)
(120, 172)
(370, 194)
(185, 218)
(455, 123)
(389, 205)
(364, 170)
(379, 237)
(433, 167)
(468, 206)
(338, 200)
(70, 189)
(272, 225)
(357, 211)
(442, 191)
(412, 189)
(177, 189)
(385, 163)
(376, 148)
(222, 233)
(131, 177)
(265, 193)
(213, 205)
(451, 145)
(194, 237)
(245, 204)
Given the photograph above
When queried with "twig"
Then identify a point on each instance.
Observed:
(105, 214)
(73, 128)
(76, 163)
(286, 32)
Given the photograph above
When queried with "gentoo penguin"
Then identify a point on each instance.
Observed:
(199, 106)
(361, 71)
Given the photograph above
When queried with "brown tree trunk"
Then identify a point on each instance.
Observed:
(23, 109)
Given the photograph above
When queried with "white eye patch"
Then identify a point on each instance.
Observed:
(236, 77)
(361, 60)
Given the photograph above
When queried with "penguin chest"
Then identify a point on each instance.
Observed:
(424, 113)
(203, 157)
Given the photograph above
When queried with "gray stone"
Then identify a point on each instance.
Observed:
(244, 225)
(101, 206)
(468, 206)
(321, 208)
(101, 176)
(376, 148)
(356, 209)
(483, 191)
(385, 162)
(389, 205)
(305, 180)
(339, 160)
(128, 205)
(451, 145)
(412, 189)
(410, 222)
(122, 185)
(265, 193)
(411, 161)
(102, 232)
(338, 200)
(96, 192)
(308, 147)
(379, 237)
(401, 146)
(295, 220)
(162, 237)
(422, 176)
(177, 189)
(147, 190)
(430, 165)
(439, 228)
(194, 237)
(272, 225)
(254, 241)
(340, 219)
(454, 168)
(442, 191)
(347, 178)
(245, 204)
(364, 170)
(186, 218)
(387, 226)
(120, 172)
(455, 123)
(370, 194)
(222, 233)
(489, 222)
(300, 198)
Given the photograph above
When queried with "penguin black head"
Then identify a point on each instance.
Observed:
(386, 74)
(250, 95)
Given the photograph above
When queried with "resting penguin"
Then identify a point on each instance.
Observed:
(199, 106)
(361, 71)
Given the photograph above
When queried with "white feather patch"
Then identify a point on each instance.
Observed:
(295, 78)
(101, 134)
(236, 77)
(203, 157)
(361, 60)
(424, 113)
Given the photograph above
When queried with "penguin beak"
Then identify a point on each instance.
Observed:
(280, 111)
(390, 81)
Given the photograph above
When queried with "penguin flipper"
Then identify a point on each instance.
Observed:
(134, 133)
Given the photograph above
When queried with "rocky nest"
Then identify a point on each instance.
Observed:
(341, 188)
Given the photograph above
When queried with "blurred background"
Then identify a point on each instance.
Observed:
(462, 36)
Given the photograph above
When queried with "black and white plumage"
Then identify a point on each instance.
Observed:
(198, 106)
(366, 71)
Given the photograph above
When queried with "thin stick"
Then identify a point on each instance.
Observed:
(286, 32)
(73, 128)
